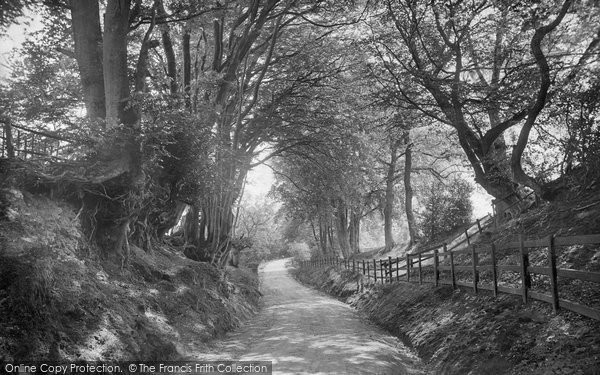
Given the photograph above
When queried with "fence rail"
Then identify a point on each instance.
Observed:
(446, 270)
(21, 142)
(480, 225)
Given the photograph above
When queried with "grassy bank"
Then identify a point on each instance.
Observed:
(59, 300)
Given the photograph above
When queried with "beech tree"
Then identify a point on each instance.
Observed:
(441, 61)
(222, 95)
(183, 98)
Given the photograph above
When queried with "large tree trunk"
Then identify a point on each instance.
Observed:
(330, 237)
(323, 233)
(408, 191)
(168, 47)
(87, 35)
(116, 81)
(219, 218)
(519, 175)
(388, 208)
(342, 229)
(187, 66)
(354, 232)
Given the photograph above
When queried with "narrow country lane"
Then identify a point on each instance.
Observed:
(305, 332)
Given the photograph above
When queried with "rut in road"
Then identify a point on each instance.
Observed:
(305, 332)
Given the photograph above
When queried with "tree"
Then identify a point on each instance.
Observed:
(457, 77)
(233, 84)
(87, 37)
(241, 92)
(446, 208)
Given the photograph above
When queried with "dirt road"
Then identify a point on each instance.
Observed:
(305, 332)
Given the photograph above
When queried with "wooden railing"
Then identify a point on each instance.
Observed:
(23, 143)
(475, 260)
(479, 226)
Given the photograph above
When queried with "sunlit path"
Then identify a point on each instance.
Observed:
(305, 332)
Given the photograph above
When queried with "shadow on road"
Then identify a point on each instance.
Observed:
(303, 331)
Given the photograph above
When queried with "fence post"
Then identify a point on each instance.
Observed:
(407, 267)
(397, 268)
(32, 143)
(420, 271)
(452, 269)
(435, 267)
(375, 270)
(381, 268)
(8, 139)
(525, 277)
(475, 261)
(363, 267)
(494, 217)
(494, 271)
(479, 226)
(368, 270)
(391, 271)
(19, 146)
(468, 239)
(553, 273)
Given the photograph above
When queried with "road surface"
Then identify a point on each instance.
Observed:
(306, 332)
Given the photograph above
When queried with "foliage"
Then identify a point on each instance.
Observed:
(10, 11)
(209, 90)
(446, 207)
(257, 224)
(483, 68)
(44, 85)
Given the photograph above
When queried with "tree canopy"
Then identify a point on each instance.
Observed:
(357, 106)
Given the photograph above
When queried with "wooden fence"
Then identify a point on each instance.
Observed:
(20, 142)
(479, 226)
(447, 269)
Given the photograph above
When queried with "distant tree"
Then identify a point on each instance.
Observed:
(445, 208)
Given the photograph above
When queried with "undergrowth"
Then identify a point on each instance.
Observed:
(61, 300)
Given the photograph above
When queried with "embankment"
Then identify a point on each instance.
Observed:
(61, 301)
